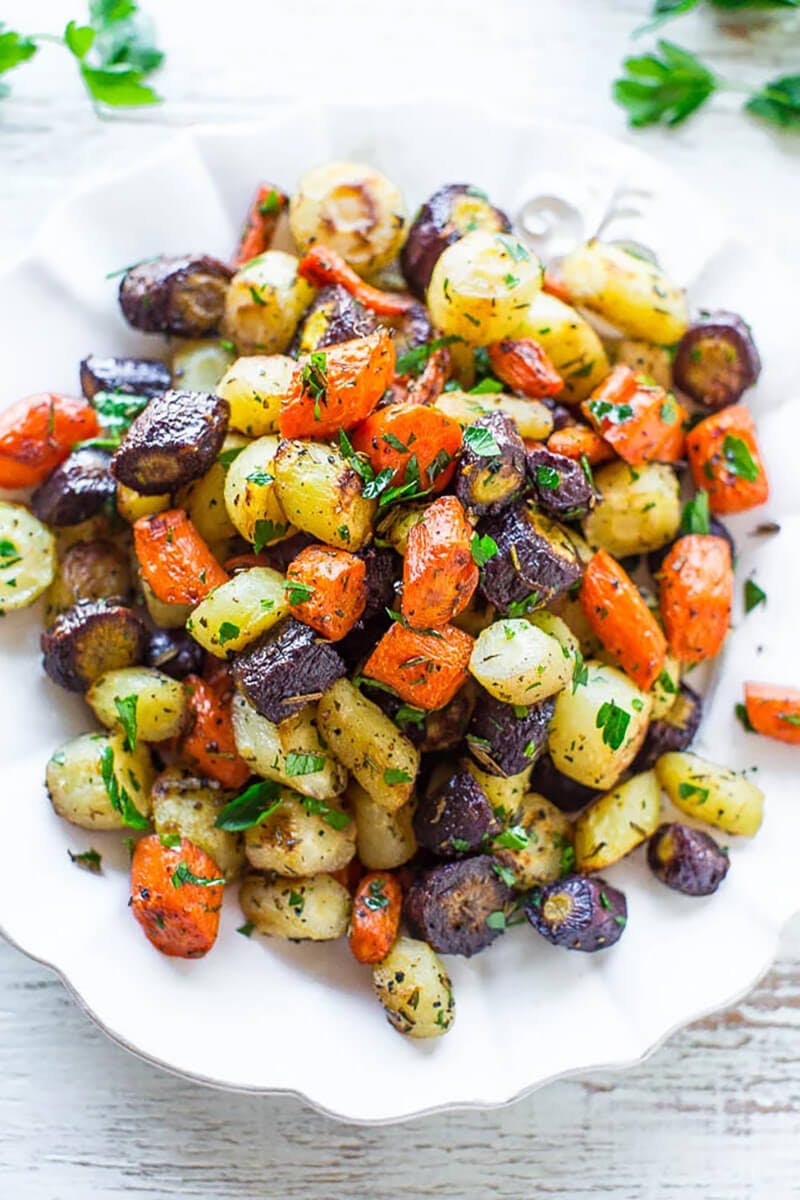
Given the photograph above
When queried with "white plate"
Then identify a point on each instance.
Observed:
(266, 1016)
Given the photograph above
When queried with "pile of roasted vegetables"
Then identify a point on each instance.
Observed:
(348, 585)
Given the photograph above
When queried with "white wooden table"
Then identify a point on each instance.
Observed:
(716, 1112)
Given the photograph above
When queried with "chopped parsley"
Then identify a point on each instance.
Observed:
(604, 410)
(183, 873)
(266, 531)
(376, 898)
(580, 672)
(303, 764)
(408, 715)
(246, 930)
(252, 807)
(741, 716)
(9, 555)
(521, 608)
(335, 817)
(228, 456)
(667, 683)
(483, 548)
(497, 919)
(481, 441)
(614, 722)
(515, 838)
(126, 711)
(753, 595)
(547, 477)
(260, 478)
(314, 378)
(297, 592)
(90, 860)
(738, 458)
(394, 775)
(227, 632)
(414, 361)
(118, 797)
(696, 516)
(513, 247)
(691, 791)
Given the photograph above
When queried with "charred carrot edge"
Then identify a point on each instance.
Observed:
(439, 573)
(524, 366)
(725, 460)
(622, 621)
(209, 745)
(579, 441)
(330, 591)
(174, 560)
(696, 595)
(398, 434)
(642, 423)
(377, 907)
(322, 266)
(260, 222)
(425, 669)
(774, 711)
(178, 915)
(337, 388)
(37, 434)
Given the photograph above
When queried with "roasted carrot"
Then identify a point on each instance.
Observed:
(696, 594)
(37, 434)
(622, 621)
(524, 367)
(327, 589)
(641, 421)
(336, 388)
(260, 222)
(579, 441)
(725, 460)
(174, 560)
(176, 896)
(439, 573)
(209, 745)
(418, 444)
(774, 711)
(425, 669)
(377, 906)
(322, 266)
(555, 286)
(425, 387)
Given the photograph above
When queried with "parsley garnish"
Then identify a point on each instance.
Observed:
(483, 548)
(547, 477)
(9, 555)
(394, 443)
(126, 710)
(413, 362)
(303, 764)
(696, 516)
(260, 478)
(90, 860)
(227, 632)
(753, 595)
(252, 807)
(501, 871)
(376, 899)
(408, 715)
(297, 901)
(614, 722)
(740, 713)
(266, 531)
(335, 817)
(393, 775)
(183, 873)
(229, 456)
(513, 247)
(118, 797)
(569, 858)
(663, 90)
(779, 100)
(481, 441)
(738, 458)
(496, 920)
(270, 204)
(690, 791)
(297, 592)
(246, 930)
(486, 387)
(667, 683)
(521, 608)
(314, 378)
(614, 413)
(580, 672)
(515, 838)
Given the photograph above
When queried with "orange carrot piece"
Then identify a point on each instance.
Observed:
(377, 907)
(774, 711)
(327, 589)
(425, 669)
(643, 423)
(439, 574)
(524, 367)
(622, 621)
(401, 437)
(336, 388)
(260, 222)
(696, 595)
(209, 745)
(322, 266)
(725, 460)
(176, 896)
(579, 441)
(174, 560)
(555, 286)
(37, 434)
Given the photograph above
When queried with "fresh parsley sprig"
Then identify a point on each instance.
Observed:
(663, 88)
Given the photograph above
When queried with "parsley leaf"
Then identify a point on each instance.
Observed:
(496, 920)
(547, 477)
(691, 791)
(303, 764)
(246, 930)
(297, 592)
(314, 377)
(393, 775)
(118, 797)
(753, 595)
(663, 90)
(9, 554)
(740, 713)
(126, 710)
(778, 102)
(481, 441)
(90, 860)
(738, 458)
(521, 608)
(413, 362)
(580, 672)
(515, 838)
(183, 873)
(408, 715)
(15, 48)
(696, 516)
(614, 722)
(483, 548)
(335, 817)
(227, 632)
(266, 531)
(252, 807)
(376, 898)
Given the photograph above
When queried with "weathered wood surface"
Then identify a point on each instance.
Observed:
(715, 1113)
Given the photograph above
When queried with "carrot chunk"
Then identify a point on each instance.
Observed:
(439, 574)
(642, 422)
(176, 896)
(579, 441)
(209, 745)
(425, 669)
(377, 906)
(37, 434)
(417, 443)
(322, 266)
(725, 460)
(622, 621)
(260, 222)
(524, 367)
(696, 595)
(774, 711)
(336, 388)
(327, 589)
(174, 560)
